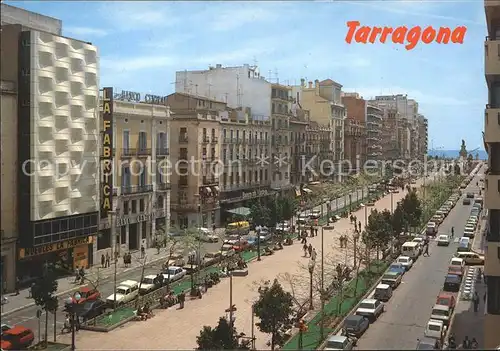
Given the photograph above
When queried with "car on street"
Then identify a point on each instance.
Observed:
(206, 235)
(471, 258)
(371, 309)
(211, 258)
(456, 270)
(456, 261)
(469, 233)
(464, 244)
(391, 278)
(426, 344)
(470, 227)
(383, 292)
(446, 299)
(173, 273)
(339, 342)
(466, 201)
(227, 250)
(148, 284)
(126, 291)
(17, 338)
(443, 240)
(432, 229)
(406, 261)
(470, 195)
(86, 293)
(435, 329)
(442, 313)
(355, 325)
(397, 267)
(315, 214)
(91, 309)
(241, 245)
(452, 283)
(5, 327)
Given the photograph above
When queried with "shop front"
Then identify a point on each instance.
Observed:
(62, 257)
(230, 200)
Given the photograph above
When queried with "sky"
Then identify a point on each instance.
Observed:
(143, 44)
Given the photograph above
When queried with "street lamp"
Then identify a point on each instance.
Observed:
(71, 303)
(355, 238)
(116, 253)
(366, 214)
(312, 263)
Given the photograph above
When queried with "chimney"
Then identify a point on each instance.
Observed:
(316, 83)
(302, 82)
(310, 84)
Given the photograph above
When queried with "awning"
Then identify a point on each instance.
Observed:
(216, 188)
(297, 192)
(306, 190)
(208, 190)
(240, 211)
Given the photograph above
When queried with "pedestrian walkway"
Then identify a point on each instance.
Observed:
(67, 284)
(184, 325)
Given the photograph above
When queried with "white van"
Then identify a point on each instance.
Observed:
(431, 229)
(411, 249)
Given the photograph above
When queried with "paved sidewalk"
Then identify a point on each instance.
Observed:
(179, 328)
(67, 284)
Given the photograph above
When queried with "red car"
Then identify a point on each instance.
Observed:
(456, 270)
(241, 246)
(87, 294)
(446, 299)
(17, 338)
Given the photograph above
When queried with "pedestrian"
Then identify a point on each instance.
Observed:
(182, 299)
(359, 225)
(103, 260)
(314, 255)
(77, 274)
(475, 301)
(304, 238)
(30, 292)
(474, 344)
(312, 231)
(310, 249)
(305, 249)
(157, 244)
(466, 344)
(143, 251)
(426, 251)
(316, 231)
(341, 242)
(213, 227)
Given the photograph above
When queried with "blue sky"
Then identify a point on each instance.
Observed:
(143, 44)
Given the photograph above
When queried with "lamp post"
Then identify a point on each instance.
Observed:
(112, 223)
(311, 271)
(71, 303)
(355, 238)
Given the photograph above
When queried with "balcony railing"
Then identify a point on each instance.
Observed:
(134, 152)
(210, 181)
(205, 139)
(492, 125)
(183, 139)
(163, 186)
(163, 151)
(242, 186)
(214, 139)
(136, 189)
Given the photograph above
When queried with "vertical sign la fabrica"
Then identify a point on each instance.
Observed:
(107, 152)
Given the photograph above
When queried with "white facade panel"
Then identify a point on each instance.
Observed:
(64, 125)
(238, 86)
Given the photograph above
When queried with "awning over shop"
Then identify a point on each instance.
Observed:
(306, 190)
(240, 211)
(297, 192)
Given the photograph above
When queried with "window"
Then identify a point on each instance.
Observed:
(133, 206)
(126, 139)
(161, 141)
(125, 176)
(143, 140)
(141, 205)
(142, 176)
(125, 207)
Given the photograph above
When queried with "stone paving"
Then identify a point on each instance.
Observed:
(178, 329)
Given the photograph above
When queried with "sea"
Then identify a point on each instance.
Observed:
(455, 153)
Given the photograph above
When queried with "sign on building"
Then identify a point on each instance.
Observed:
(107, 153)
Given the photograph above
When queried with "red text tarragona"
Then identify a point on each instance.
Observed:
(409, 37)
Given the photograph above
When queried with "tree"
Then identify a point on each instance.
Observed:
(260, 215)
(274, 308)
(412, 208)
(378, 232)
(42, 292)
(398, 220)
(287, 207)
(222, 337)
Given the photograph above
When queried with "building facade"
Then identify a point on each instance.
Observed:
(492, 176)
(423, 136)
(298, 124)
(389, 135)
(13, 21)
(58, 137)
(355, 144)
(374, 115)
(140, 204)
(281, 107)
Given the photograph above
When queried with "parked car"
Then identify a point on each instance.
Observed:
(452, 283)
(91, 309)
(470, 195)
(426, 344)
(456, 270)
(442, 313)
(443, 240)
(211, 258)
(464, 244)
(471, 258)
(227, 250)
(456, 261)
(406, 261)
(435, 329)
(315, 214)
(86, 294)
(370, 308)
(397, 267)
(241, 245)
(126, 291)
(5, 327)
(339, 342)
(149, 283)
(206, 235)
(173, 273)
(466, 201)
(391, 278)
(355, 325)
(17, 338)
(446, 299)
(383, 292)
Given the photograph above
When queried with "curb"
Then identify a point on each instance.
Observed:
(59, 294)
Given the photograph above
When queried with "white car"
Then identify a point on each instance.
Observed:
(315, 214)
(443, 240)
(435, 329)
(227, 249)
(441, 313)
(469, 233)
(173, 273)
(340, 342)
(370, 308)
(125, 292)
(148, 284)
(207, 235)
(405, 261)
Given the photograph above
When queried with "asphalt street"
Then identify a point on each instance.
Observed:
(408, 311)
(27, 317)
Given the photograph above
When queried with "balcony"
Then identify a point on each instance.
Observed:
(214, 139)
(136, 189)
(209, 204)
(162, 152)
(242, 186)
(492, 192)
(183, 139)
(209, 181)
(133, 152)
(205, 139)
(163, 186)
(492, 125)
(183, 206)
(227, 140)
(492, 59)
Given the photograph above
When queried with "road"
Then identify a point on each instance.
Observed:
(27, 317)
(408, 311)
(184, 325)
